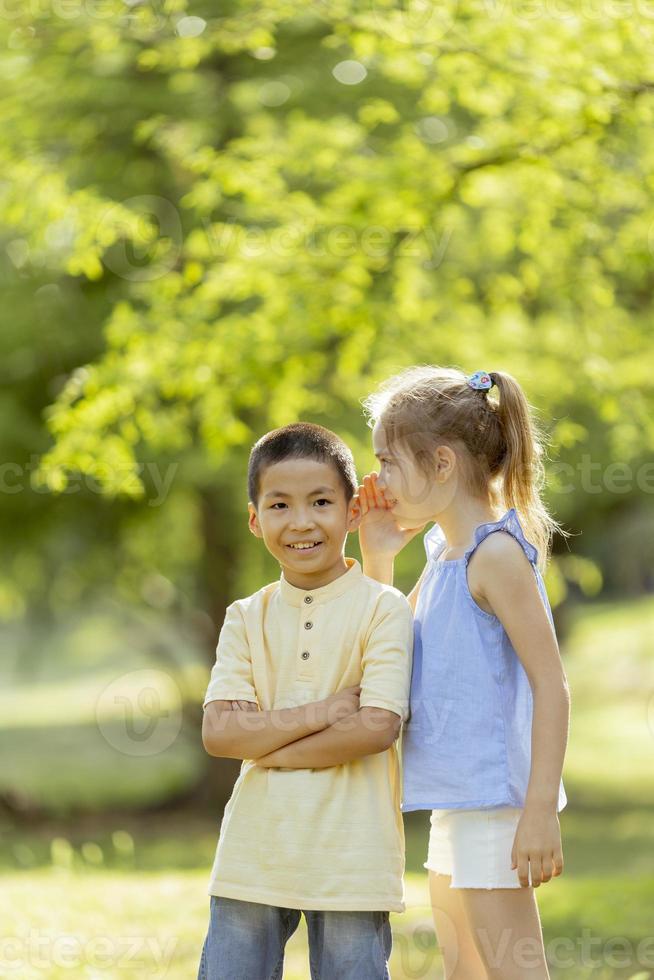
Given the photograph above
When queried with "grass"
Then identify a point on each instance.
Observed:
(132, 902)
(610, 668)
(125, 897)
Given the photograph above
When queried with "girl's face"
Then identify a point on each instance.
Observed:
(418, 498)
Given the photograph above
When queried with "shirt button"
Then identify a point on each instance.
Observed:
(308, 598)
(305, 654)
(308, 626)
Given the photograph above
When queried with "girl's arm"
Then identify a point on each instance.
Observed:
(415, 591)
(379, 568)
(501, 574)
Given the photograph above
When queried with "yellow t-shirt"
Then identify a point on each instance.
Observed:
(332, 838)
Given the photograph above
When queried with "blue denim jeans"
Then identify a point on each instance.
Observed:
(246, 941)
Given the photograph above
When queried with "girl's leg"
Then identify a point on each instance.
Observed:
(507, 932)
(461, 958)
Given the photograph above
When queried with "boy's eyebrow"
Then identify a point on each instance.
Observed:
(383, 452)
(280, 493)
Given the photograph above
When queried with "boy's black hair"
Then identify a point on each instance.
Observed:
(301, 440)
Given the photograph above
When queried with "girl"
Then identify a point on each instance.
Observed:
(484, 744)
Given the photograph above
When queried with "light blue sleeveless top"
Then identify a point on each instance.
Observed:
(467, 743)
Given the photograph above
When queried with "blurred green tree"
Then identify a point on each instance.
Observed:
(216, 223)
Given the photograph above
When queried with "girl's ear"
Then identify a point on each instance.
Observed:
(445, 459)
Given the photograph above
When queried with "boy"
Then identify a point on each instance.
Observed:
(310, 688)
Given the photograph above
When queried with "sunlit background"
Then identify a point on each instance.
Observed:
(219, 219)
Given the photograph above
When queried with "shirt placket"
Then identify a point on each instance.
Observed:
(307, 644)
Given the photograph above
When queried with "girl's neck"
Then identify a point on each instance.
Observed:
(459, 520)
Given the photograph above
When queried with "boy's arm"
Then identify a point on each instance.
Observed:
(248, 734)
(385, 681)
(365, 732)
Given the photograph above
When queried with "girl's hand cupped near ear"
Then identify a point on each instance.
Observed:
(380, 535)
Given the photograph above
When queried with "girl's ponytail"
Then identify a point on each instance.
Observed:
(522, 467)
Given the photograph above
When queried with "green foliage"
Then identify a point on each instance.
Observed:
(271, 207)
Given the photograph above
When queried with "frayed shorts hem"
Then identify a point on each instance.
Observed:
(474, 847)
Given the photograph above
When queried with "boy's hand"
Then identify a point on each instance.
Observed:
(380, 535)
(244, 706)
(537, 847)
(342, 703)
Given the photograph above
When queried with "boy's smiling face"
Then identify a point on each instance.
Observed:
(302, 501)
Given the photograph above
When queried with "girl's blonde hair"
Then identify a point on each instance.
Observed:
(497, 442)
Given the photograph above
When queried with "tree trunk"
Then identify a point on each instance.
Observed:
(216, 586)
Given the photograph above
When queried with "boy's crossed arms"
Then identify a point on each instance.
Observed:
(315, 735)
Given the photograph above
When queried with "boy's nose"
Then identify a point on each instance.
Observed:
(302, 524)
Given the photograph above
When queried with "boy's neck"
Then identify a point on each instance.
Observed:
(315, 580)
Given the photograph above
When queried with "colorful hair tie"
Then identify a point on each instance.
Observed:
(480, 381)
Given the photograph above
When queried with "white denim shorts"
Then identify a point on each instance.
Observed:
(474, 847)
